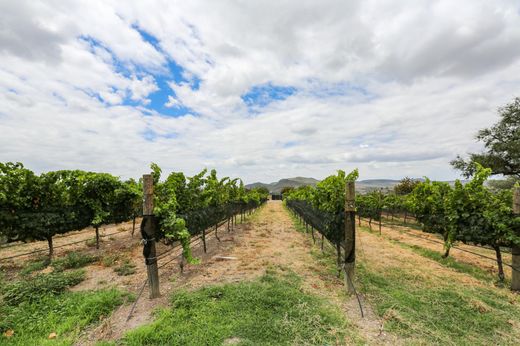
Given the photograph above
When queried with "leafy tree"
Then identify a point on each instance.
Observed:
(286, 190)
(405, 186)
(501, 143)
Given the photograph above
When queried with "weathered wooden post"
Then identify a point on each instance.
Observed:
(148, 234)
(515, 250)
(350, 236)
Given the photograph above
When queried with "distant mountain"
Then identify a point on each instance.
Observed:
(277, 187)
(362, 186)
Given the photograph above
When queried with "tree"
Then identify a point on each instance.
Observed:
(286, 190)
(405, 186)
(501, 143)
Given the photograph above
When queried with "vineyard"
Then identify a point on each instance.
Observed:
(225, 267)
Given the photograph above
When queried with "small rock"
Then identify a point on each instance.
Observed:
(8, 333)
(53, 335)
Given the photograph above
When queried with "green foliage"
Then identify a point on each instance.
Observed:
(73, 260)
(38, 207)
(65, 314)
(405, 186)
(328, 195)
(34, 266)
(501, 143)
(271, 311)
(184, 206)
(286, 190)
(126, 268)
(32, 289)
(430, 202)
(370, 205)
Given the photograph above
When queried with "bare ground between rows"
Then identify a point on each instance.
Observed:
(411, 236)
(267, 240)
(76, 239)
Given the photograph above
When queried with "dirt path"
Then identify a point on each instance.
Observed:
(268, 239)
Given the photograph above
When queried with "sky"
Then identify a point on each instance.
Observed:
(260, 90)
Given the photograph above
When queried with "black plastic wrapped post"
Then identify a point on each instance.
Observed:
(350, 236)
(148, 233)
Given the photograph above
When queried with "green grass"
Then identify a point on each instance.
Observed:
(32, 288)
(73, 260)
(126, 268)
(272, 310)
(450, 262)
(33, 266)
(65, 314)
(444, 312)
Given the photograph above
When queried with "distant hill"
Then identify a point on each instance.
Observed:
(362, 186)
(277, 187)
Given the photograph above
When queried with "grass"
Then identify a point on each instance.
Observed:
(126, 268)
(35, 265)
(272, 310)
(434, 310)
(91, 242)
(73, 260)
(30, 289)
(34, 307)
(450, 262)
(109, 260)
(445, 312)
(65, 314)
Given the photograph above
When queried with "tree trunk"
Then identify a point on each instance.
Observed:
(216, 232)
(339, 261)
(359, 220)
(499, 262)
(133, 226)
(97, 237)
(204, 239)
(370, 223)
(228, 228)
(51, 247)
(322, 241)
(405, 215)
(379, 225)
(448, 247)
(312, 233)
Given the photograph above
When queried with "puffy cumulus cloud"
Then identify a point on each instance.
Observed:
(261, 90)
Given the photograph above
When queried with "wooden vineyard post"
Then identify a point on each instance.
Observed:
(515, 250)
(148, 234)
(350, 236)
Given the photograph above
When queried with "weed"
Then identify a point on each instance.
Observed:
(91, 242)
(109, 260)
(73, 260)
(34, 266)
(126, 268)
(32, 289)
(65, 314)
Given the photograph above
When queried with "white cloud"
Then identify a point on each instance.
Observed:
(394, 88)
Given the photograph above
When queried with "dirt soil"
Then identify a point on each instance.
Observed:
(412, 236)
(267, 239)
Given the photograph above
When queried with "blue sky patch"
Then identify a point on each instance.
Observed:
(264, 94)
(173, 72)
